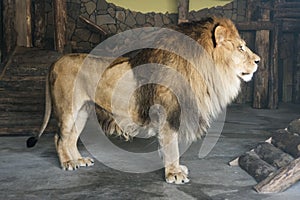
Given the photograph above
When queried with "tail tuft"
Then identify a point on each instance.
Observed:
(31, 142)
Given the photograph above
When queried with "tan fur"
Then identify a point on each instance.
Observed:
(213, 86)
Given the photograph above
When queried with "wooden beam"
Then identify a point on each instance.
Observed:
(183, 11)
(273, 70)
(39, 23)
(23, 24)
(255, 26)
(261, 77)
(281, 179)
(60, 20)
(1, 34)
(28, 24)
(94, 27)
(296, 78)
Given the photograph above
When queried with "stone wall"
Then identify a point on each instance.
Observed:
(114, 19)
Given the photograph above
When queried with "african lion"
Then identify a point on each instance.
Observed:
(210, 88)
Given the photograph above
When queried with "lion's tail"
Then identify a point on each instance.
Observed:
(48, 107)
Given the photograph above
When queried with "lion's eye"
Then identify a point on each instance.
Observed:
(241, 48)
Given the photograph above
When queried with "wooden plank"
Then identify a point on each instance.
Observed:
(296, 73)
(23, 23)
(92, 25)
(282, 5)
(261, 77)
(273, 70)
(255, 26)
(28, 24)
(1, 36)
(40, 23)
(281, 179)
(60, 20)
(183, 11)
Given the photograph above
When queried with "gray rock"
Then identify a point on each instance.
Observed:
(111, 11)
(102, 5)
(95, 38)
(120, 15)
(166, 20)
(105, 19)
(90, 7)
(83, 34)
(112, 28)
(140, 19)
(294, 126)
(158, 20)
(130, 20)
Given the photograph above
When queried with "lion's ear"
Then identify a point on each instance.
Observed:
(220, 35)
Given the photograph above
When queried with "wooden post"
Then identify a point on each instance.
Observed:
(9, 34)
(60, 20)
(1, 34)
(23, 24)
(296, 78)
(261, 77)
(28, 24)
(273, 71)
(183, 11)
(39, 22)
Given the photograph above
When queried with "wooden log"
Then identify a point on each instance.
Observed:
(94, 27)
(261, 77)
(273, 70)
(1, 35)
(183, 11)
(296, 77)
(287, 142)
(281, 179)
(60, 20)
(273, 155)
(256, 167)
(9, 33)
(28, 24)
(39, 23)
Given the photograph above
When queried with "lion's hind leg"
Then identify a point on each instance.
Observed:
(66, 142)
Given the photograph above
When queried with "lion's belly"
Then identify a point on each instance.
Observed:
(115, 92)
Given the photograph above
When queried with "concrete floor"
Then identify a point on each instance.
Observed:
(35, 173)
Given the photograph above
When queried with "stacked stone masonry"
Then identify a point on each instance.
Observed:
(114, 19)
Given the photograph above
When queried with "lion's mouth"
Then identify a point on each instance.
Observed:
(245, 73)
(245, 76)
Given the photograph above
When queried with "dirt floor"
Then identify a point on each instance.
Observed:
(35, 173)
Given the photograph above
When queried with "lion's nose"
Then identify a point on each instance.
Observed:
(257, 60)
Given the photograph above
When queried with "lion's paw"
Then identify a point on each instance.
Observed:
(179, 176)
(70, 165)
(85, 162)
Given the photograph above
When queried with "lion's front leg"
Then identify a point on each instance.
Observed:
(174, 172)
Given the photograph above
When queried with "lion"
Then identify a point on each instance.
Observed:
(211, 81)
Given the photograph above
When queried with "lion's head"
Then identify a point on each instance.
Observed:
(228, 49)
